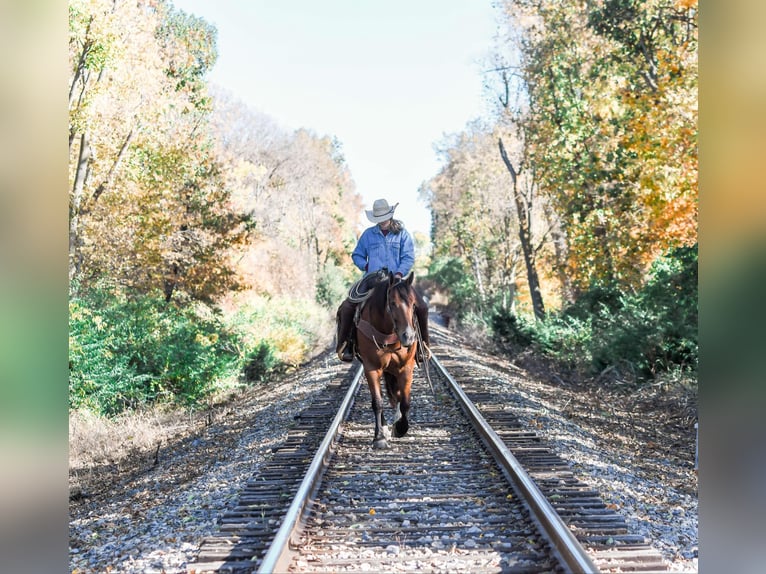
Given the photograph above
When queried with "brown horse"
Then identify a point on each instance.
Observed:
(387, 342)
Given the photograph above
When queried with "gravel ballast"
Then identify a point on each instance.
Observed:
(636, 448)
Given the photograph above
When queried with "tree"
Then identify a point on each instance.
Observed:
(611, 125)
(299, 196)
(147, 207)
(523, 211)
(472, 218)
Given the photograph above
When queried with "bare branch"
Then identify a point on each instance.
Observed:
(103, 185)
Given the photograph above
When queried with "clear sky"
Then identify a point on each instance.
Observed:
(388, 78)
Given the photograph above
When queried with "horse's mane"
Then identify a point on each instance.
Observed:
(378, 295)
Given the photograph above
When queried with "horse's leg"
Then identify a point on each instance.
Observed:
(391, 393)
(405, 383)
(373, 382)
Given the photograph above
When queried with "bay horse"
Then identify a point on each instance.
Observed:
(387, 342)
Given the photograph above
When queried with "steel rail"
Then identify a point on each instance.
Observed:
(573, 557)
(276, 558)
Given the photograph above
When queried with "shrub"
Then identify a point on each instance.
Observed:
(647, 332)
(451, 275)
(511, 329)
(332, 286)
(563, 338)
(130, 351)
(292, 328)
(655, 330)
(260, 363)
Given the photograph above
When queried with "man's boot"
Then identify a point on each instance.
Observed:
(345, 322)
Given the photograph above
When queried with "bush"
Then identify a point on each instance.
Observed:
(655, 330)
(452, 277)
(131, 351)
(332, 286)
(292, 328)
(511, 329)
(594, 301)
(648, 332)
(565, 339)
(260, 363)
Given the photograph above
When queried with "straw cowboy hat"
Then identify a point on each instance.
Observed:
(381, 211)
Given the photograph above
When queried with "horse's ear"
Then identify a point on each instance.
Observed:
(391, 278)
(410, 277)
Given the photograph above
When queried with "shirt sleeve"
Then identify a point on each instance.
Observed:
(359, 255)
(406, 254)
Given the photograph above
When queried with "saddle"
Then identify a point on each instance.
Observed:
(358, 294)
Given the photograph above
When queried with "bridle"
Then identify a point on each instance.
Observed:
(416, 326)
(390, 311)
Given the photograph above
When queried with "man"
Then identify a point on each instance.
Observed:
(385, 245)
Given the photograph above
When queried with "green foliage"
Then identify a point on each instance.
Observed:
(655, 329)
(451, 275)
(291, 327)
(648, 332)
(565, 339)
(332, 286)
(191, 46)
(260, 363)
(599, 298)
(512, 328)
(129, 351)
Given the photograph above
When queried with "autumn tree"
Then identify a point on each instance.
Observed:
(656, 52)
(471, 217)
(524, 203)
(612, 127)
(147, 205)
(299, 196)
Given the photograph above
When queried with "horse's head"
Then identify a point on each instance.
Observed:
(400, 300)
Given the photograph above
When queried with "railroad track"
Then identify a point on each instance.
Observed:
(468, 489)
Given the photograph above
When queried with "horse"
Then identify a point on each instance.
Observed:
(387, 344)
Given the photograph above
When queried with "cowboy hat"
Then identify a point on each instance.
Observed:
(381, 211)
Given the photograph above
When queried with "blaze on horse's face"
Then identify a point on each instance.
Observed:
(401, 305)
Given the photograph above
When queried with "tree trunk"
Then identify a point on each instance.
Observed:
(560, 249)
(170, 282)
(525, 236)
(476, 267)
(81, 177)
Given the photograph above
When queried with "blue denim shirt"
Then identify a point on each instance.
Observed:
(374, 251)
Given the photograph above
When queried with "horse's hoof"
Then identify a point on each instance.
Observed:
(379, 443)
(400, 428)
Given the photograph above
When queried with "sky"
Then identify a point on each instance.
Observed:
(388, 78)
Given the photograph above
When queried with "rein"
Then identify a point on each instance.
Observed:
(423, 360)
